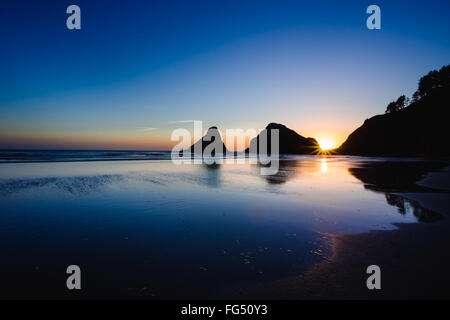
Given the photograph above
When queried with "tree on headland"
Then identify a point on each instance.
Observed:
(396, 105)
(401, 102)
(444, 76)
(415, 97)
(407, 102)
(391, 107)
(428, 82)
(433, 80)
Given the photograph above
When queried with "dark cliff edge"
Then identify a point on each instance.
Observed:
(419, 130)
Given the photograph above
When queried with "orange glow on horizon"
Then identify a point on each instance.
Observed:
(326, 143)
(140, 138)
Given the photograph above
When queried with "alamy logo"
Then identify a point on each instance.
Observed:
(374, 20)
(374, 281)
(74, 280)
(74, 20)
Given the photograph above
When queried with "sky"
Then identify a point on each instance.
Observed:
(137, 70)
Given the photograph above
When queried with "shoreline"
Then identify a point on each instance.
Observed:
(166, 155)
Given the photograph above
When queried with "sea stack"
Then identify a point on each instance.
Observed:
(290, 141)
(211, 140)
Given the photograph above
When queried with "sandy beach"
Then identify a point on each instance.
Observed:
(306, 233)
(413, 260)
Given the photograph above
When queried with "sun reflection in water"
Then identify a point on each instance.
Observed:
(324, 165)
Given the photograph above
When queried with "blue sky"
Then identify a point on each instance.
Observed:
(311, 65)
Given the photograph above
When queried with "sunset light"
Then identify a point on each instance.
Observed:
(326, 144)
(261, 154)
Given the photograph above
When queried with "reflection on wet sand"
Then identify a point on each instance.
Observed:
(389, 177)
(213, 174)
(406, 205)
(287, 170)
(290, 169)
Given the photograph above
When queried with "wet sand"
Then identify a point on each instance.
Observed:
(414, 260)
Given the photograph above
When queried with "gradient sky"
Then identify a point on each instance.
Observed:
(137, 67)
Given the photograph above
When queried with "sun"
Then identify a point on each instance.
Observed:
(325, 144)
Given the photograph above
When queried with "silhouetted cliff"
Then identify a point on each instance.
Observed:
(417, 130)
(290, 141)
